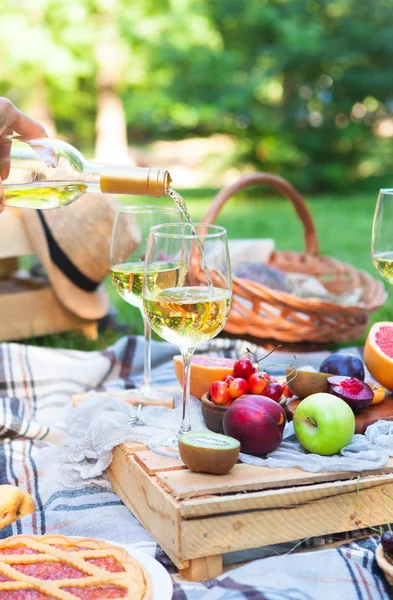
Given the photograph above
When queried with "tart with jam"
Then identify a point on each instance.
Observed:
(54, 567)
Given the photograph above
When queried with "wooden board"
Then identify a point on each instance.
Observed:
(127, 395)
(366, 417)
(197, 517)
(31, 310)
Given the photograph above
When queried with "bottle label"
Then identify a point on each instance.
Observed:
(140, 181)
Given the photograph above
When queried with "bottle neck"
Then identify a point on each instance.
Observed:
(141, 181)
(50, 162)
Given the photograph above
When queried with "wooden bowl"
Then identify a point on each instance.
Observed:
(384, 564)
(213, 414)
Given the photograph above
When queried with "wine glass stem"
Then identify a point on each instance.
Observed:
(147, 354)
(187, 357)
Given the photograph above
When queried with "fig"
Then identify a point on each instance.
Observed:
(208, 452)
(345, 365)
(354, 392)
(257, 422)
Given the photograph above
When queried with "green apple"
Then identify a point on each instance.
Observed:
(324, 423)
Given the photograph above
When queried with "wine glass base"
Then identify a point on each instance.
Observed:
(164, 445)
(147, 392)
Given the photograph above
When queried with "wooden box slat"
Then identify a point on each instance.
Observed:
(243, 477)
(290, 514)
(155, 463)
(153, 507)
(197, 517)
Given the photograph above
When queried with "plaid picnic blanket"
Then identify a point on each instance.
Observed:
(36, 385)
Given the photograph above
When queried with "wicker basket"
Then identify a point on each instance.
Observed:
(265, 313)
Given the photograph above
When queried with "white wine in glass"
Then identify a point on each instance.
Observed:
(128, 249)
(382, 235)
(196, 308)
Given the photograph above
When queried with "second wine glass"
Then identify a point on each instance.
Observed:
(128, 249)
(382, 237)
(192, 306)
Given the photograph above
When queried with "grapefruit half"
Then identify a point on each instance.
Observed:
(378, 353)
(205, 369)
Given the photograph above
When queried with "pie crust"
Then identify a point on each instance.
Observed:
(55, 567)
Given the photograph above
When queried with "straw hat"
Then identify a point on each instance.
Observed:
(73, 245)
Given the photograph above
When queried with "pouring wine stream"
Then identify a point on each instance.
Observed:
(181, 203)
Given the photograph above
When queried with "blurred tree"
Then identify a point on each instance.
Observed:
(112, 60)
(304, 86)
(46, 58)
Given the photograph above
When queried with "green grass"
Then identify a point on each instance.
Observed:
(343, 226)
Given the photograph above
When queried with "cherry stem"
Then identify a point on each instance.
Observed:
(293, 373)
(268, 354)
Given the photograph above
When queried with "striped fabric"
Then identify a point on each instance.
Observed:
(36, 385)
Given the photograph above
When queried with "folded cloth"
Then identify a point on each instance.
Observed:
(99, 424)
(36, 385)
(365, 452)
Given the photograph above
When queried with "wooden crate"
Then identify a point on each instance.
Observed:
(196, 518)
(29, 307)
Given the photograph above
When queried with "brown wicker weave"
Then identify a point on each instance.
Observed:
(266, 313)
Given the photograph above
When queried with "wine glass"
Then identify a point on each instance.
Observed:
(382, 236)
(128, 248)
(192, 305)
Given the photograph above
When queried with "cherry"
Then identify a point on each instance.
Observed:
(219, 393)
(387, 541)
(243, 368)
(257, 383)
(273, 391)
(286, 391)
(238, 387)
(269, 378)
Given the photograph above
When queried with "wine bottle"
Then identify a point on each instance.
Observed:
(48, 173)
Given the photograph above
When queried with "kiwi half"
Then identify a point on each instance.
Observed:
(208, 452)
(307, 382)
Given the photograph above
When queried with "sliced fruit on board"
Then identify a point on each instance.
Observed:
(205, 369)
(378, 353)
(208, 452)
(355, 392)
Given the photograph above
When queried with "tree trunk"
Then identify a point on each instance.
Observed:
(37, 107)
(111, 127)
